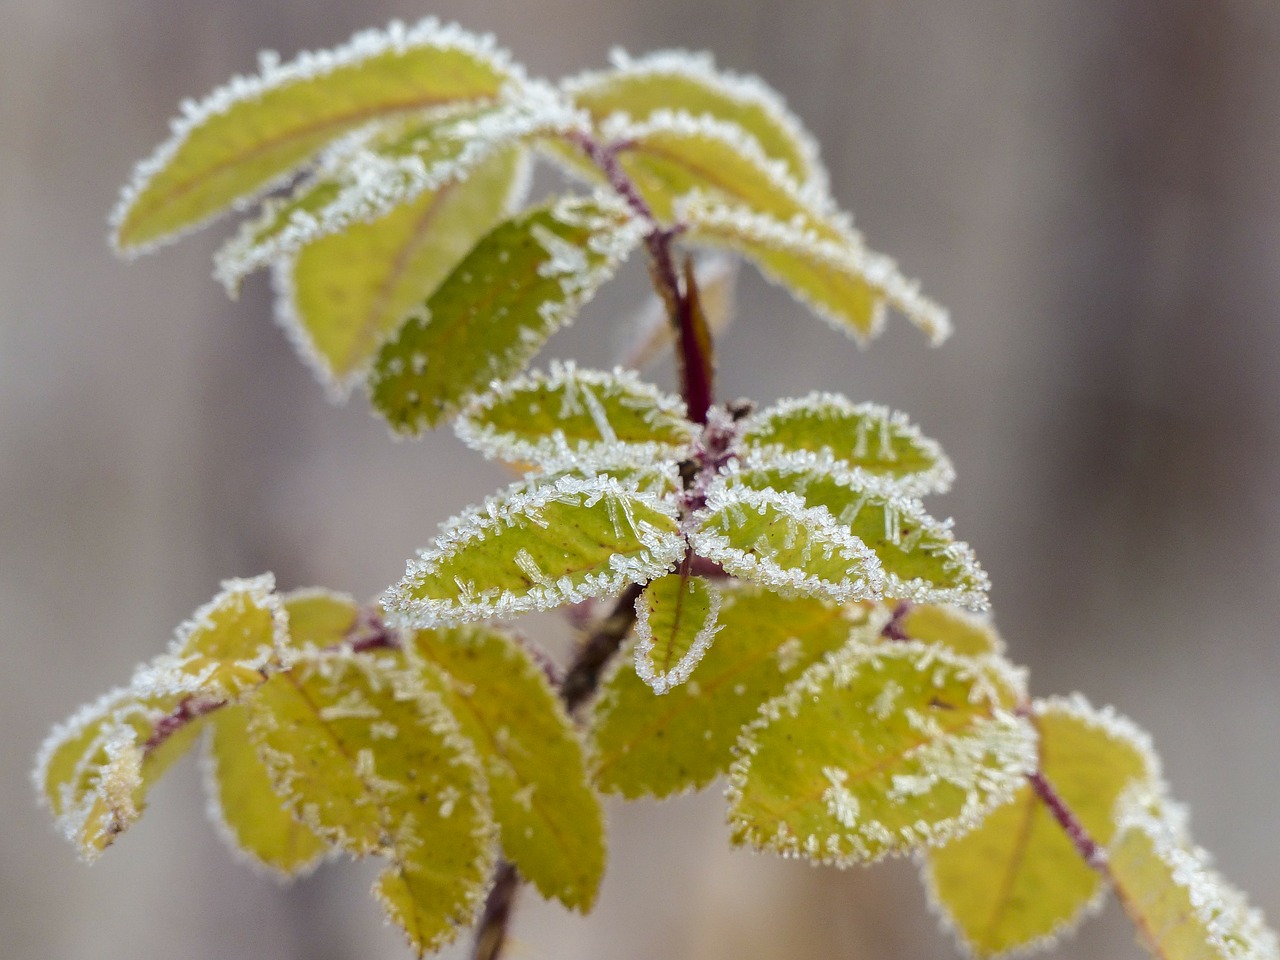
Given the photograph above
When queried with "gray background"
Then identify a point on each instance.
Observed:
(1091, 187)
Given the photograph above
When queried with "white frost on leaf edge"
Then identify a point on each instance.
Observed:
(645, 641)
(554, 449)
(374, 183)
(658, 552)
(614, 231)
(308, 65)
(863, 580)
(288, 315)
(1003, 733)
(806, 200)
(1236, 930)
(738, 228)
(700, 67)
(874, 423)
(899, 510)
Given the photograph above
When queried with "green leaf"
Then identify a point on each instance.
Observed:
(374, 763)
(245, 806)
(243, 138)
(677, 79)
(1182, 908)
(879, 749)
(551, 821)
(578, 416)
(95, 770)
(672, 153)
(655, 746)
(342, 295)
(774, 539)
(677, 617)
(920, 559)
(827, 432)
(522, 282)
(536, 548)
(828, 268)
(967, 634)
(1017, 881)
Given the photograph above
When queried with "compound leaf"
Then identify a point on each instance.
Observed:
(551, 821)
(343, 294)
(522, 282)
(375, 764)
(678, 79)
(1183, 909)
(580, 416)
(879, 749)
(677, 617)
(538, 547)
(825, 431)
(828, 268)
(243, 138)
(920, 559)
(1017, 880)
(250, 815)
(655, 746)
(95, 770)
(774, 539)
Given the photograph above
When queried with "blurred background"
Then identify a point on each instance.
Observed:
(1092, 187)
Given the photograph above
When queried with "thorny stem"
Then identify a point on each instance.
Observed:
(681, 300)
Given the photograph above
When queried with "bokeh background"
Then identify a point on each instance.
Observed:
(1092, 187)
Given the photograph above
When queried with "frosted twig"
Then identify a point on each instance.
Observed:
(1088, 848)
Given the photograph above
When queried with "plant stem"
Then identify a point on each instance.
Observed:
(694, 342)
(491, 932)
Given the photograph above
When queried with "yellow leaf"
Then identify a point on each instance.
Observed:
(550, 818)
(243, 138)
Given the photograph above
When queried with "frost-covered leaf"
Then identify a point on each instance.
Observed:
(826, 429)
(319, 618)
(879, 749)
(536, 548)
(95, 770)
(775, 539)
(654, 746)
(245, 137)
(374, 763)
(1017, 881)
(829, 269)
(1182, 908)
(587, 416)
(342, 295)
(673, 153)
(522, 282)
(920, 559)
(244, 805)
(678, 79)
(551, 822)
(965, 633)
(677, 617)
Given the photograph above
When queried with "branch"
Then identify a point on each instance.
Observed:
(683, 310)
(491, 931)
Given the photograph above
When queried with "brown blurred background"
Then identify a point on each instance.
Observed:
(1091, 187)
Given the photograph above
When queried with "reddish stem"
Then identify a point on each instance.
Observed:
(1088, 848)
